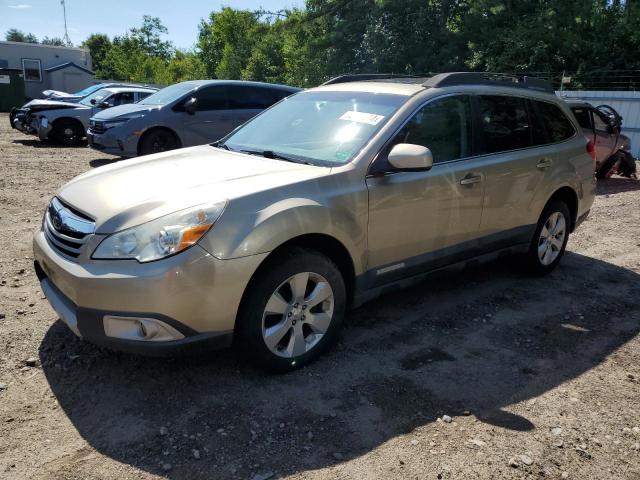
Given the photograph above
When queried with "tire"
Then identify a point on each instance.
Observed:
(605, 171)
(68, 132)
(280, 330)
(540, 263)
(157, 141)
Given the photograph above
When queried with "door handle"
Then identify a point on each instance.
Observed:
(544, 163)
(471, 179)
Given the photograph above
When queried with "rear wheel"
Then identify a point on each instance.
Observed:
(158, 141)
(68, 132)
(292, 310)
(550, 239)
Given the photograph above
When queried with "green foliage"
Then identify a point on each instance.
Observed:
(98, 45)
(55, 41)
(304, 47)
(15, 35)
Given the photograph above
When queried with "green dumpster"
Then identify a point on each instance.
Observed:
(11, 89)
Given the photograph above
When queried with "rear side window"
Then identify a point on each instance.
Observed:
(212, 98)
(559, 127)
(504, 123)
(253, 98)
(583, 115)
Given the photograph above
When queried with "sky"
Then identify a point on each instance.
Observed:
(84, 17)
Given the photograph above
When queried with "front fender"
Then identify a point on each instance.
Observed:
(240, 235)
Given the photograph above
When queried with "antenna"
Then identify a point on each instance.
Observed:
(66, 38)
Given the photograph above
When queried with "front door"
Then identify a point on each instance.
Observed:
(213, 118)
(426, 219)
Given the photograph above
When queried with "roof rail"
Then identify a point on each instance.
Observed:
(486, 78)
(358, 77)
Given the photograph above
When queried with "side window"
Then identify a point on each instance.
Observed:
(443, 126)
(558, 125)
(32, 70)
(212, 98)
(504, 123)
(583, 115)
(121, 99)
(142, 95)
(250, 98)
(599, 122)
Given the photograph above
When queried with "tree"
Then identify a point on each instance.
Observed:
(225, 42)
(55, 41)
(148, 38)
(98, 45)
(15, 35)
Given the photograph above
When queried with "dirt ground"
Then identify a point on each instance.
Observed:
(481, 374)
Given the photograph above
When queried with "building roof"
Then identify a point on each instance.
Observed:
(40, 45)
(68, 65)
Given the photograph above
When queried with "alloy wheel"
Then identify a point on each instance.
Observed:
(552, 238)
(298, 314)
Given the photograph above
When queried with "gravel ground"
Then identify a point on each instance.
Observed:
(481, 374)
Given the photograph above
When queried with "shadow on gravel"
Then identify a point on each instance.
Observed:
(100, 162)
(470, 343)
(37, 143)
(610, 186)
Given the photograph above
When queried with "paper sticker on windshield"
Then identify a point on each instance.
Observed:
(362, 117)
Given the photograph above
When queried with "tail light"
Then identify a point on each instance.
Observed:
(591, 150)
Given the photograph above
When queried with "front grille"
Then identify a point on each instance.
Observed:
(66, 229)
(97, 127)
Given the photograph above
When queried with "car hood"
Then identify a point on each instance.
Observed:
(123, 111)
(40, 105)
(132, 192)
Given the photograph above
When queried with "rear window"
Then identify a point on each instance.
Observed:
(504, 123)
(558, 126)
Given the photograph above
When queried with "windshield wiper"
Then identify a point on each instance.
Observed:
(276, 156)
(221, 144)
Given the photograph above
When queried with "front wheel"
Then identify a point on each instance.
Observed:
(292, 310)
(158, 141)
(68, 132)
(550, 239)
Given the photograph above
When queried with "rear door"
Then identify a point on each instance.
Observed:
(212, 119)
(606, 140)
(514, 166)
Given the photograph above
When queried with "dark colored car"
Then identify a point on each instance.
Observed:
(182, 115)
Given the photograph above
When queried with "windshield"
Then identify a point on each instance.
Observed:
(318, 127)
(88, 90)
(168, 94)
(98, 96)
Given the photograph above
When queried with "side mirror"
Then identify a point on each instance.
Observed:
(93, 101)
(190, 106)
(407, 156)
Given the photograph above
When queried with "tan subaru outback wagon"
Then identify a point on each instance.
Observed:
(265, 238)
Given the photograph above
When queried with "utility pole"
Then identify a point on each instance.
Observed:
(66, 38)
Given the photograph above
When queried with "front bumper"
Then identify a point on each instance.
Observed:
(193, 292)
(109, 143)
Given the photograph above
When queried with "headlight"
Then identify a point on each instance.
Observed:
(119, 121)
(162, 237)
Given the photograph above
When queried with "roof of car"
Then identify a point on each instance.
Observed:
(409, 85)
(201, 83)
(576, 102)
(407, 88)
(129, 89)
